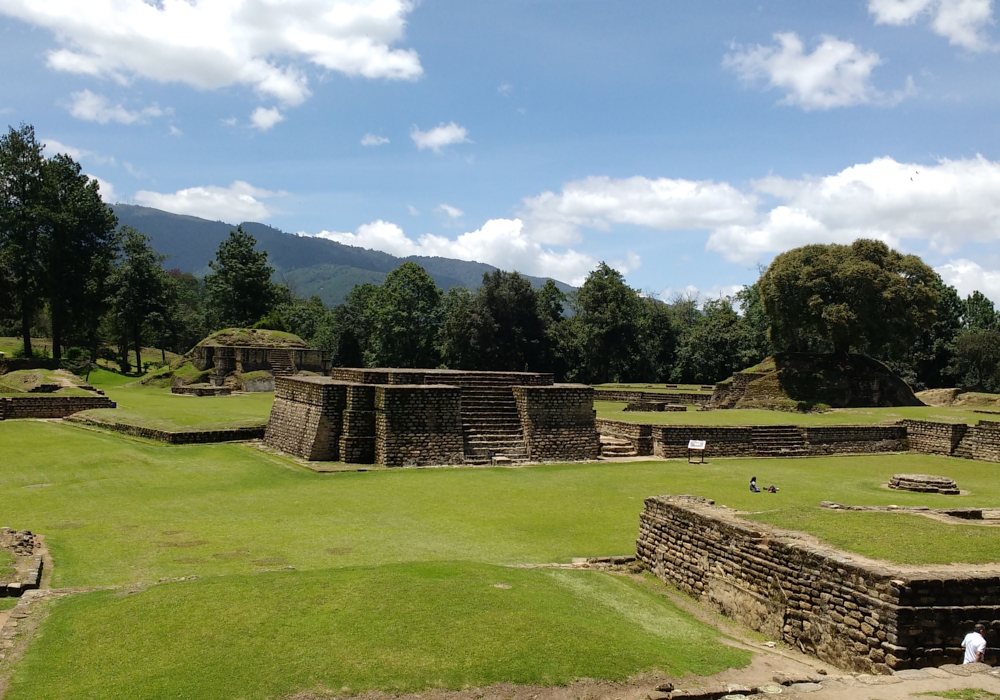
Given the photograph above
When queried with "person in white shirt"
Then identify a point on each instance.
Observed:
(974, 645)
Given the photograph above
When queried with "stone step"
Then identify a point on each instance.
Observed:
(618, 451)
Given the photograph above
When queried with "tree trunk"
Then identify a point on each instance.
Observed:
(26, 332)
(138, 347)
(56, 337)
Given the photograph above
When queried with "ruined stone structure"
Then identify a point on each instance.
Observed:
(924, 483)
(625, 396)
(757, 441)
(980, 442)
(279, 361)
(654, 407)
(398, 417)
(42, 406)
(843, 608)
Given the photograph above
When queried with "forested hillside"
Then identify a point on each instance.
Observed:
(309, 266)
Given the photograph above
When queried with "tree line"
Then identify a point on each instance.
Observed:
(69, 272)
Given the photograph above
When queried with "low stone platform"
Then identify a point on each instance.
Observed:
(924, 483)
(197, 390)
(654, 407)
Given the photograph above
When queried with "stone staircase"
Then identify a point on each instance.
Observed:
(612, 446)
(281, 363)
(778, 441)
(491, 424)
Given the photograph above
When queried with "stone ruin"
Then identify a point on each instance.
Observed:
(924, 483)
(26, 573)
(239, 351)
(413, 417)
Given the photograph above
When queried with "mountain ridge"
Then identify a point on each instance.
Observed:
(308, 265)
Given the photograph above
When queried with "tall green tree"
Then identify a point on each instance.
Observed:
(712, 349)
(239, 288)
(979, 313)
(346, 332)
(864, 296)
(78, 248)
(607, 326)
(22, 226)
(405, 315)
(138, 289)
(977, 359)
(459, 340)
(513, 334)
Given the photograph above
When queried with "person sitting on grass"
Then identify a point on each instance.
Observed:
(753, 485)
(974, 645)
(772, 489)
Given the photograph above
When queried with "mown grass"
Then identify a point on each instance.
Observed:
(837, 416)
(398, 628)
(155, 407)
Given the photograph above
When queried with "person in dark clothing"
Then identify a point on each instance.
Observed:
(753, 485)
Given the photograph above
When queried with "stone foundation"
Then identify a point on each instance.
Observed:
(979, 442)
(398, 417)
(924, 483)
(624, 396)
(35, 406)
(844, 609)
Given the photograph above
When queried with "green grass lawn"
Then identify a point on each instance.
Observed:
(156, 407)
(837, 416)
(394, 576)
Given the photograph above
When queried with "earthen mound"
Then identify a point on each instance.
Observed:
(811, 381)
(958, 397)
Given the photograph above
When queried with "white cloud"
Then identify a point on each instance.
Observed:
(229, 121)
(967, 277)
(450, 211)
(440, 136)
(665, 204)
(505, 89)
(91, 107)
(502, 243)
(413, 210)
(53, 147)
(962, 22)
(373, 140)
(211, 44)
(241, 201)
(836, 74)
(108, 193)
(264, 119)
(174, 131)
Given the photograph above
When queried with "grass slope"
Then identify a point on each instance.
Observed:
(837, 416)
(357, 629)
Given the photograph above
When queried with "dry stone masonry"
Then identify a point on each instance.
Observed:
(27, 573)
(403, 417)
(844, 609)
(980, 442)
(924, 483)
(35, 406)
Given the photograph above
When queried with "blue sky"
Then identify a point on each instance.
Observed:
(683, 142)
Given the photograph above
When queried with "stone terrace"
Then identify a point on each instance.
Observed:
(400, 417)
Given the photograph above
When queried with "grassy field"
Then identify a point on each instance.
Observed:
(156, 407)
(836, 416)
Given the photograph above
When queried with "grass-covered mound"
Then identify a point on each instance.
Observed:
(28, 380)
(253, 337)
(959, 397)
(808, 381)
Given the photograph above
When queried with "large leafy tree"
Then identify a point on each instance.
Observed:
(405, 315)
(512, 333)
(864, 296)
(139, 288)
(607, 326)
(977, 359)
(712, 349)
(346, 331)
(459, 340)
(78, 248)
(239, 288)
(978, 312)
(22, 227)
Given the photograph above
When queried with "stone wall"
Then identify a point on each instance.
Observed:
(180, 437)
(558, 422)
(35, 406)
(852, 439)
(845, 609)
(306, 417)
(639, 434)
(418, 425)
(357, 425)
(980, 442)
(451, 377)
(622, 396)
(229, 359)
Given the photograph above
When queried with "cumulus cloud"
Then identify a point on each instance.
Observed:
(92, 107)
(968, 276)
(502, 243)
(440, 136)
(962, 22)
(373, 140)
(450, 211)
(52, 147)
(108, 193)
(836, 74)
(211, 44)
(241, 201)
(264, 119)
(665, 204)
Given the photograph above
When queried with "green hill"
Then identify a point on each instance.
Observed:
(308, 265)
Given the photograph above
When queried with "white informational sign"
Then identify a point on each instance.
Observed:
(696, 444)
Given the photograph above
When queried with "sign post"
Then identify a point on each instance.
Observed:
(697, 446)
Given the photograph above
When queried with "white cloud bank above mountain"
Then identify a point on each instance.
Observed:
(212, 44)
(241, 201)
